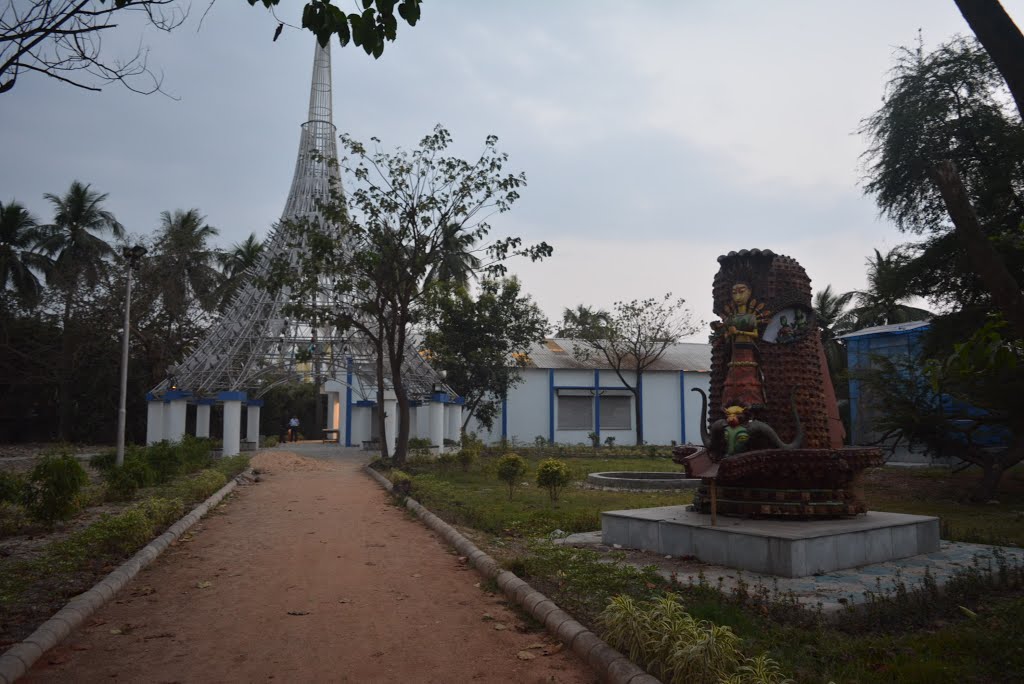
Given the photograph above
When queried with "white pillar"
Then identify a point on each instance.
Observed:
(202, 420)
(454, 415)
(340, 417)
(252, 423)
(175, 414)
(390, 409)
(232, 426)
(437, 424)
(154, 421)
(332, 410)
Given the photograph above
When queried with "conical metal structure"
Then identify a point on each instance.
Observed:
(255, 346)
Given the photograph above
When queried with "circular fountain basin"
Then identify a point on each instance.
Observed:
(642, 480)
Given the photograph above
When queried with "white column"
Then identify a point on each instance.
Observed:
(202, 420)
(232, 426)
(437, 424)
(390, 409)
(175, 413)
(154, 421)
(340, 417)
(332, 410)
(252, 424)
(454, 414)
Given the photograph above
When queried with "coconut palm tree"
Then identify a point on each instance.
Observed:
(881, 303)
(455, 262)
(75, 244)
(582, 318)
(19, 263)
(834, 316)
(185, 262)
(235, 263)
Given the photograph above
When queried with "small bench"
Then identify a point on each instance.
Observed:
(331, 436)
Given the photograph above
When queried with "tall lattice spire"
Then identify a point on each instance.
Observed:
(254, 346)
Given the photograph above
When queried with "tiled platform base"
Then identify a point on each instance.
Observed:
(785, 548)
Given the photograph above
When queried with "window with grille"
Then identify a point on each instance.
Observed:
(616, 413)
(575, 413)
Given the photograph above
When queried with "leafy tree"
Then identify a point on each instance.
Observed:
(1002, 40)
(511, 469)
(19, 263)
(184, 262)
(74, 241)
(63, 39)
(635, 335)
(880, 303)
(832, 311)
(583, 317)
(235, 264)
(396, 220)
(963, 405)
(482, 342)
(368, 29)
(944, 124)
(456, 263)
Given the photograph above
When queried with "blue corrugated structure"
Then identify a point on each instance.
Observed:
(899, 340)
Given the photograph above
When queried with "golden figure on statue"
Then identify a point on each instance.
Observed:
(744, 383)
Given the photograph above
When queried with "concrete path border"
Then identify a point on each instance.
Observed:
(609, 664)
(18, 659)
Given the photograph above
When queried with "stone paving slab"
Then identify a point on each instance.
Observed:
(832, 590)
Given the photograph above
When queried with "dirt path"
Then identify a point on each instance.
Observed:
(311, 575)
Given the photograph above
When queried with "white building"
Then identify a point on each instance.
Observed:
(563, 399)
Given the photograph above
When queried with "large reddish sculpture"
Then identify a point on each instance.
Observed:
(773, 439)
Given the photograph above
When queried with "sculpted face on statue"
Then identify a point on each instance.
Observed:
(740, 294)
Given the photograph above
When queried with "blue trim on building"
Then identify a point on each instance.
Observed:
(504, 418)
(348, 402)
(439, 396)
(365, 402)
(597, 404)
(254, 402)
(230, 396)
(682, 407)
(551, 405)
(151, 397)
(459, 401)
(173, 395)
(206, 401)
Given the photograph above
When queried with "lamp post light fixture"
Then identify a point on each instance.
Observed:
(133, 255)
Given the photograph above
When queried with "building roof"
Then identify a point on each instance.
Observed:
(891, 329)
(557, 353)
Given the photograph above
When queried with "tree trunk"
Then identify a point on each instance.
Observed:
(638, 410)
(381, 423)
(1001, 39)
(990, 267)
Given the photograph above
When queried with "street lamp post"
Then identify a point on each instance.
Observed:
(133, 255)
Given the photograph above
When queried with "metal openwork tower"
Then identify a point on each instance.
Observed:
(255, 346)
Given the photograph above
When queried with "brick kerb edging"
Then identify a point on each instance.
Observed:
(18, 659)
(612, 666)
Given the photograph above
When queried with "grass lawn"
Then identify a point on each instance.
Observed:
(901, 637)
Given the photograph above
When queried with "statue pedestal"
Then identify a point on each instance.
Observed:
(775, 547)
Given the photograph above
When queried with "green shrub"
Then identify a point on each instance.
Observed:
(162, 512)
(553, 475)
(119, 534)
(232, 465)
(12, 518)
(466, 458)
(675, 647)
(53, 486)
(401, 483)
(446, 460)
(104, 461)
(193, 453)
(134, 474)
(511, 469)
(271, 441)
(12, 488)
(165, 460)
(198, 487)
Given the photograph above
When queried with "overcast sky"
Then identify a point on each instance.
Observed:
(654, 136)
